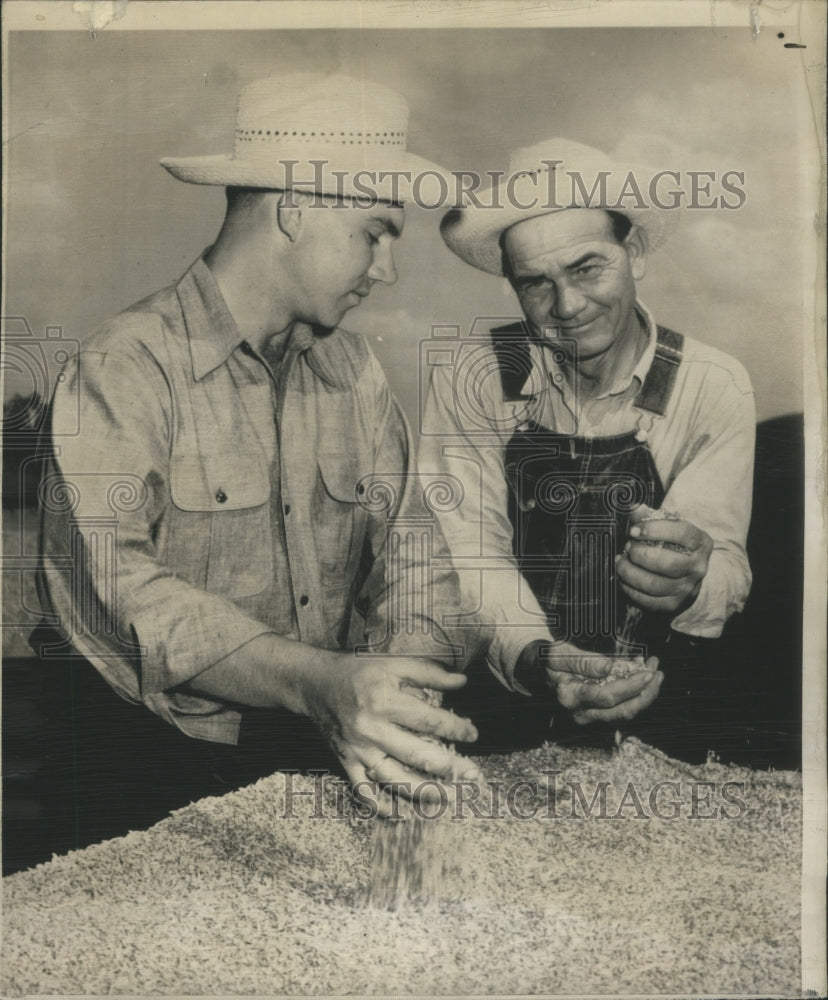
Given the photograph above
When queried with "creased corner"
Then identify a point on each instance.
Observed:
(100, 13)
(755, 19)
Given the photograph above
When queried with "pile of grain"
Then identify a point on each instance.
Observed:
(265, 892)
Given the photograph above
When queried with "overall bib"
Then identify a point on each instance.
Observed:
(569, 504)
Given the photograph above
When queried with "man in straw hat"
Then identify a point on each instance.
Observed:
(580, 422)
(248, 457)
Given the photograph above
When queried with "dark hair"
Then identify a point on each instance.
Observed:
(243, 197)
(621, 225)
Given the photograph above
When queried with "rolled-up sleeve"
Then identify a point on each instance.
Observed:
(714, 491)
(412, 597)
(105, 500)
(477, 527)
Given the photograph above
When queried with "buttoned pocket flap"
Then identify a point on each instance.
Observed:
(339, 517)
(342, 475)
(219, 482)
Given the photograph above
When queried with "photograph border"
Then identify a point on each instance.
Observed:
(804, 20)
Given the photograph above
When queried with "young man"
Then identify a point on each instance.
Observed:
(584, 418)
(216, 538)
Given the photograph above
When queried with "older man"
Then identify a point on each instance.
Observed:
(571, 429)
(216, 537)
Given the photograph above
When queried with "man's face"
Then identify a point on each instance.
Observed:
(342, 250)
(570, 273)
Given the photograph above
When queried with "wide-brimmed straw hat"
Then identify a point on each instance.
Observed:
(332, 134)
(540, 181)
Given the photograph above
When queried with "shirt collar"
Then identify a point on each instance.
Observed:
(213, 334)
(318, 354)
(211, 329)
(639, 373)
(621, 384)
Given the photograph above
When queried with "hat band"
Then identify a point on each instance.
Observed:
(245, 136)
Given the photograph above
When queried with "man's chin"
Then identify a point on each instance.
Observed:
(348, 305)
(332, 320)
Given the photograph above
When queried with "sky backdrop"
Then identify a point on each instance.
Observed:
(94, 223)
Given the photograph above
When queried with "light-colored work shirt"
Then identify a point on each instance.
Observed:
(702, 447)
(211, 497)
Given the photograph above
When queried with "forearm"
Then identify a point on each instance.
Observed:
(713, 491)
(271, 671)
(477, 528)
(411, 599)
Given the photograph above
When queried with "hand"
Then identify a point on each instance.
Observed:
(610, 700)
(583, 683)
(657, 578)
(386, 734)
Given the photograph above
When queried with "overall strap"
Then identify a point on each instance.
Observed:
(511, 348)
(655, 393)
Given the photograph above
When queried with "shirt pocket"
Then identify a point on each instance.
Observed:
(228, 494)
(339, 518)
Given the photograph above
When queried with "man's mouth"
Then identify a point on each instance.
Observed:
(573, 327)
(568, 331)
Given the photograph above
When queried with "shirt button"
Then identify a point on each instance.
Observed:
(221, 496)
(287, 509)
(360, 489)
(303, 600)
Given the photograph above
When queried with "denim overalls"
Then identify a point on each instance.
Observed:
(569, 504)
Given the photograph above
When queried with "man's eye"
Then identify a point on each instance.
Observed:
(372, 238)
(533, 283)
(588, 270)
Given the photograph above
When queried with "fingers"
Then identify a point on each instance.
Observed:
(626, 710)
(664, 562)
(426, 756)
(566, 658)
(676, 532)
(380, 786)
(400, 780)
(410, 712)
(386, 690)
(380, 745)
(649, 603)
(577, 696)
(647, 582)
(640, 513)
(425, 673)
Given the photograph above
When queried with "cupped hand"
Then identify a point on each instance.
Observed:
(390, 739)
(594, 687)
(611, 700)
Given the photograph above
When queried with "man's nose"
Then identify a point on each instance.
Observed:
(569, 300)
(382, 267)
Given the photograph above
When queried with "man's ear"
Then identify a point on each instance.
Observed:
(290, 213)
(637, 246)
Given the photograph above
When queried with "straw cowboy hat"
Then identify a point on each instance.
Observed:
(474, 230)
(285, 123)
